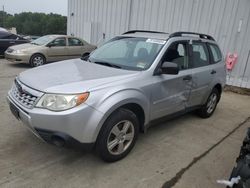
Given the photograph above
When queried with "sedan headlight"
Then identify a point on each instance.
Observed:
(59, 102)
(17, 51)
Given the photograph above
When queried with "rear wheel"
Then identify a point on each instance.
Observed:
(37, 60)
(208, 109)
(118, 135)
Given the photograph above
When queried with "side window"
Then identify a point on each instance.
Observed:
(216, 54)
(199, 55)
(75, 42)
(177, 53)
(59, 42)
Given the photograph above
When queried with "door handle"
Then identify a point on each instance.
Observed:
(213, 72)
(187, 78)
(11, 42)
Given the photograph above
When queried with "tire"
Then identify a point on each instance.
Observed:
(112, 143)
(37, 60)
(209, 107)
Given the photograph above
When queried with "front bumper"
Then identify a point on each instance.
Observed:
(17, 58)
(79, 123)
(68, 141)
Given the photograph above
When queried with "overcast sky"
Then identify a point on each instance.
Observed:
(46, 6)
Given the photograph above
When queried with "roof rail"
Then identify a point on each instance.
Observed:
(203, 36)
(143, 31)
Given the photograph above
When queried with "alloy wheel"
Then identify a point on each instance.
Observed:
(120, 137)
(38, 61)
(212, 101)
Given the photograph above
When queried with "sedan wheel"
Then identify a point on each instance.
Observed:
(37, 60)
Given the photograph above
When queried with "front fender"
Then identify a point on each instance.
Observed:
(110, 101)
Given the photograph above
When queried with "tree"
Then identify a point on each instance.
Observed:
(3, 17)
(28, 23)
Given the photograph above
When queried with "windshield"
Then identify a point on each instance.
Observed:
(43, 40)
(128, 53)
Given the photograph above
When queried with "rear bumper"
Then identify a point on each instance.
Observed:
(17, 58)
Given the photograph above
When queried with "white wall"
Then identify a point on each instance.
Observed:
(219, 18)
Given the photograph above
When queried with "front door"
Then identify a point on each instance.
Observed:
(57, 50)
(170, 93)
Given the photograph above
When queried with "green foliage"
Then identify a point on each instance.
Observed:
(29, 23)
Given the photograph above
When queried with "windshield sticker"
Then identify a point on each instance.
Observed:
(141, 65)
(156, 41)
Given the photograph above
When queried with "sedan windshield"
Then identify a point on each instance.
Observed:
(128, 53)
(43, 40)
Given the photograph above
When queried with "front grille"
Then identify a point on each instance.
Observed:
(9, 50)
(23, 97)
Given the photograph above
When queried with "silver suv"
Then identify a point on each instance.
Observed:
(123, 87)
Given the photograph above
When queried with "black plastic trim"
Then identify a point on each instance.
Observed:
(202, 36)
(172, 116)
(47, 135)
(143, 31)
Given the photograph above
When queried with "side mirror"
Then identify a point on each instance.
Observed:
(169, 68)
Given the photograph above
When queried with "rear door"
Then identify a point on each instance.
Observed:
(170, 93)
(202, 73)
(58, 50)
(75, 47)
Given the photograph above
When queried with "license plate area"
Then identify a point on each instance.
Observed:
(14, 111)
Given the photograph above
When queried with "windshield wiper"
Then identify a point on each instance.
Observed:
(34, 43)
(107, 64)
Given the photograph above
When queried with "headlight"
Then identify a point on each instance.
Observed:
(17, 51)
(58, 102)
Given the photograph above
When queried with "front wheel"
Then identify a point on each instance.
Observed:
(37, 60)
(118, 135)
(208, 109)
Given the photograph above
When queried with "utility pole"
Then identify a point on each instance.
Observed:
(3, 16)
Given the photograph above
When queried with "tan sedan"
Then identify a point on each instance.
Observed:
(49, 48)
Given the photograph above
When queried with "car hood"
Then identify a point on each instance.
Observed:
(25, 46)
(72, 76)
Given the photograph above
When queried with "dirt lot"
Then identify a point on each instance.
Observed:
(199, 151)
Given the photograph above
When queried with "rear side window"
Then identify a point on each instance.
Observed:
(75, 42)
(215, 51)
(199, 55)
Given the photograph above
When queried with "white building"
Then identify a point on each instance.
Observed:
(228, 21)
